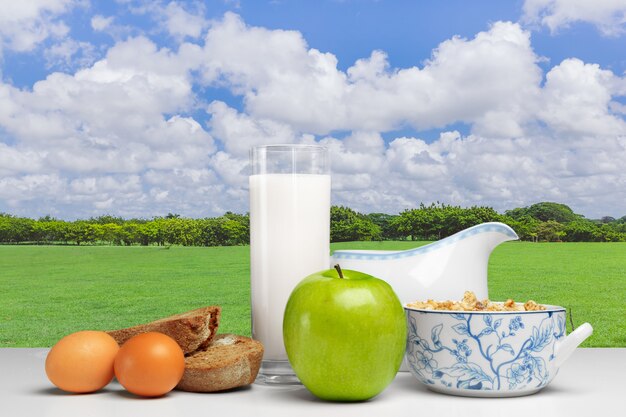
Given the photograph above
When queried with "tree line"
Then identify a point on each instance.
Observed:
(539, 222)
(547, 221)
(228, 230)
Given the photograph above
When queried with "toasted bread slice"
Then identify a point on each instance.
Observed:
(229, 361)
(192, 330)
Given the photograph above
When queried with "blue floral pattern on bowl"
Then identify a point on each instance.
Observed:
(484, 353)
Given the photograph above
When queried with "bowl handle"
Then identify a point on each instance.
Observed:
(565, 348)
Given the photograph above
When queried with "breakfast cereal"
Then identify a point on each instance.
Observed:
(471, 303)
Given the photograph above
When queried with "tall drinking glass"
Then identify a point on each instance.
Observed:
(289, 239)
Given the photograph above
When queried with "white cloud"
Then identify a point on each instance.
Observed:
(111, 26)
(239, 132)
(529, 140)
(118, 135)
(609, 16)
(69, 54)
(577, 100)
(195, 192)
(19, 191)
(358, 153)
(180, 23)
(103, 128)
(416, 159)
(14, 160)
(179, 19)
(105, 184)
(121, 96)
(100, 23)
(232, 171)
(503, 173)
(488, 80)
(24, 24)
(250, 56)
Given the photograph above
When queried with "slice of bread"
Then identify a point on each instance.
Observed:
(192, 330)
(229, 361)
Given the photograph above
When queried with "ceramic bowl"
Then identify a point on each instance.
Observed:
(489, 354)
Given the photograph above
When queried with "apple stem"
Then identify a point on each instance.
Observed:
(338, 268)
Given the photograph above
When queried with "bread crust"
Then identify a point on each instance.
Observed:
(230, 361)
(192, 330)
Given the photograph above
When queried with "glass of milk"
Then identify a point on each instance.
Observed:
(289, 240)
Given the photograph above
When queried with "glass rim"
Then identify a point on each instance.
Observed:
(288, 147)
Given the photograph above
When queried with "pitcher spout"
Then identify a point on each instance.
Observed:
(501, 233)
(441, 270)
(565, 348)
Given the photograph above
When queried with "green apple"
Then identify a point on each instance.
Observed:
(345, 334)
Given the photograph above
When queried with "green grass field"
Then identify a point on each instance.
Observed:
(49, 291)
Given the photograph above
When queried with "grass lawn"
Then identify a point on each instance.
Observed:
(49, 291)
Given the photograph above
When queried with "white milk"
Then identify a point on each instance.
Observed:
(289, 240)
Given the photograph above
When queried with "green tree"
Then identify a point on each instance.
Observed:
(437, 221)
(605, 233)
(230, 229)
(129, 233)
(525, 226)
(545, 211)
(237, 233)
(6, 227)
(434, 221)
(59, 231)
(457, 218)
(550, 231)
(77, 232)
(93, 233)
(580, 230)
(21, 229)
(112, 233)
(349, 225)
(212, 232)
(387, 224)
(148, 233)
(412, 223)
(237, 227)
(106, 219)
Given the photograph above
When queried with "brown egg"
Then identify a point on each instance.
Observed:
(150, 364)
(82, 362)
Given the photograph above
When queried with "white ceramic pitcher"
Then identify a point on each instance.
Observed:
(442, 270)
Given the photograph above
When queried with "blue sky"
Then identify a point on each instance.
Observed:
(140, 108)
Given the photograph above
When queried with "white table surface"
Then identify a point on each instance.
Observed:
(591, 383)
